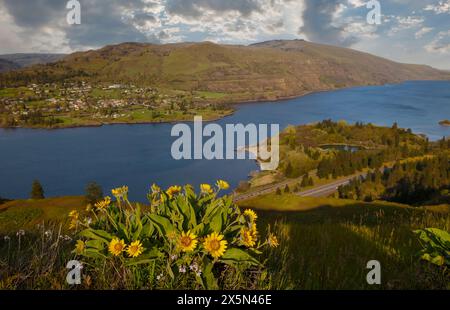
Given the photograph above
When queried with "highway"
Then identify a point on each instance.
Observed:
(317, 191)
(325, 190)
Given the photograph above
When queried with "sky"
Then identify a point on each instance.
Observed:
(411, 31)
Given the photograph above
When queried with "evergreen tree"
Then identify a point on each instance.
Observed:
(37, 192)
(94, 193)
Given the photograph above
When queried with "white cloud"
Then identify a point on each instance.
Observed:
(357, 3)
(360, 28)
(419, 34)
(274, 18)
(441, 8)
(404, 23)
(440, 44)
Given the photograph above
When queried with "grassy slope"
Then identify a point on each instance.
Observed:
(290, 202)
(25, 214)
(326, 243)
(264, 71)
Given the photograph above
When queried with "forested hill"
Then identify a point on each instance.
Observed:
(267, 70)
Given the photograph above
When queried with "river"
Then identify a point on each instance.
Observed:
(65, 160)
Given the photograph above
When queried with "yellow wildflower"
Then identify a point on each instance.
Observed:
(221, 184)
(74, 214)
(120, 192)
(173, 190)
(73, 224)
(79, 247)
(188, 242)
(206, 189)
(116, 246)
(215, 245)
(102, 205)
(272, 241)
(156, 189)
(248, 237)
(250, 215)
(135, 249)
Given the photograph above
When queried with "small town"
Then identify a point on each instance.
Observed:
(66, 104)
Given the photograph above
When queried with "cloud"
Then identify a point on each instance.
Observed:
(40, 25)
(102, 22)
(357, 3)
(440, 44)
(320, 24)
(35, 14)
(404, 23)
(441, 8)
(358, 27)
(194, 8)
(235, 21)
(419, 34)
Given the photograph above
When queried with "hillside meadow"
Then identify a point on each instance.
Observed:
(325, 243)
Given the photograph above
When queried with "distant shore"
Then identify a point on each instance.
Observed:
(445, 123)
(232, 109)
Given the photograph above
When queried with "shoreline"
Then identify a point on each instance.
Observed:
(232, 104)
(117, 123)
(445, 123)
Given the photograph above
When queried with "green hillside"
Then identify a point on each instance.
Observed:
(267, 70)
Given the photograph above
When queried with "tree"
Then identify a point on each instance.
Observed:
(289, 170)
(287, 190)
(37, 192)
(94, 193)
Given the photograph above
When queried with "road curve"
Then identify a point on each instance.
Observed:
(318, 191)
(324, 190)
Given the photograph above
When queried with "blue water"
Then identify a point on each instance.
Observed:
(137, 155)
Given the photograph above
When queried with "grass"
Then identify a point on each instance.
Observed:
(210, 95)
(140, 115)
(14, 92)
(290, 202)
(326, 243)
(26, 214)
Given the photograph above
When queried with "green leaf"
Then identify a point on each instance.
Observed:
(199, 229)
(95, 244)
(148, 229)
(216, 222)
(146, 258)
(100, 235)
(190, 219)
(93, 253)
(208, 275)
(236, 255)
(162, 224)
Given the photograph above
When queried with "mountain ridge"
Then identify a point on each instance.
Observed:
(11, 62)
(262, 71)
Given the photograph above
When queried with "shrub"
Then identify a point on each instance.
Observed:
(181, 240)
